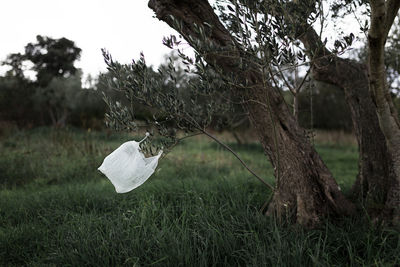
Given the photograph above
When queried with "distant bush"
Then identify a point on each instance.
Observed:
(16, 101)
(62, 102)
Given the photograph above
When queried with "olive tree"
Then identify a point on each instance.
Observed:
(246, 46)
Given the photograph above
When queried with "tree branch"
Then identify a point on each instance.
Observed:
(392, 7)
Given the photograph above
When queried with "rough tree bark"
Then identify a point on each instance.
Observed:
(305, 189)
(382, 17)
(376, 175)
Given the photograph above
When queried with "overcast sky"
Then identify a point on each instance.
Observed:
(124, 27)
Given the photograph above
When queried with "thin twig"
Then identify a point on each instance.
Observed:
(178, 141)
(302, 82)
(291, 89)
(237, 156)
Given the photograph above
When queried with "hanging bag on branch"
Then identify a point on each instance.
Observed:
(127, 167)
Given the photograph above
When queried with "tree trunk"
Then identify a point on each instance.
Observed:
(305, 189)
(376, 176)
(375, 164)
(382, 17)
(376, 182)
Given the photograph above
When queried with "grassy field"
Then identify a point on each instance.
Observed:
(200, 208)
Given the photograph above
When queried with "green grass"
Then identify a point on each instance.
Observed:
(200, 208)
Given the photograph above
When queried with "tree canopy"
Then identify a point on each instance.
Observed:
(50, 58)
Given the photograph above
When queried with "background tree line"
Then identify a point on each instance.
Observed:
(57, 96)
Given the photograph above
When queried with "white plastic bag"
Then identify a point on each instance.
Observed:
(127, 167)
